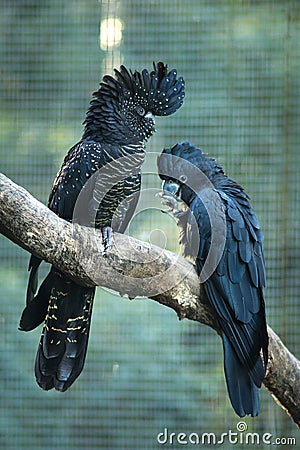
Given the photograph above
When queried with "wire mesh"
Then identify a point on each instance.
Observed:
(145, 371)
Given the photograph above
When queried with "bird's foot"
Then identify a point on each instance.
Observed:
(106, 239)
(172, 203)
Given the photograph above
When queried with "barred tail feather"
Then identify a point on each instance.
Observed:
(63, 344)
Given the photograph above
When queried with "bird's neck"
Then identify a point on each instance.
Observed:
(232, 189)
(222, 181)
(101, 128)
(104, 124)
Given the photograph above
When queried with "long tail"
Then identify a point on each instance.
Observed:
(66, 308)
(243, 393)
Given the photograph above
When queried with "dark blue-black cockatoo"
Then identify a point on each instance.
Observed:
(220, 230)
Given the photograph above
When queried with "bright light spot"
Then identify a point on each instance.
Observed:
(115, 367)
(110, 33)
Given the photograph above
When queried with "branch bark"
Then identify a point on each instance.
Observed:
(131, 268)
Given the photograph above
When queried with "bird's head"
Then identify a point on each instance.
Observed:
(185, 170)
(125, 106)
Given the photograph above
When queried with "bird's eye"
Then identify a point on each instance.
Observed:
(183, 178)
(140, 110)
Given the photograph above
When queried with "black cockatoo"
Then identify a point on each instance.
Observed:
(118, 123)
(217, 222)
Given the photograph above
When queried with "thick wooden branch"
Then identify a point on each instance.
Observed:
(131, 268)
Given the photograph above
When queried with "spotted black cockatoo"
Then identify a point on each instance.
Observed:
(233, 281)
(118, 123)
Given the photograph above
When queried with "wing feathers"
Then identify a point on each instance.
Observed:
(235, 292)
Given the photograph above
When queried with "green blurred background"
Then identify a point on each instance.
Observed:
(145, 370)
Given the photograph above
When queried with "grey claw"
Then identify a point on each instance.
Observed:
(171, 202)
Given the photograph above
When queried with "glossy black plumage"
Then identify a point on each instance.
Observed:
(235, 287)
(98, 185)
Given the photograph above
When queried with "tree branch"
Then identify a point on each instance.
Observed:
(131, 268)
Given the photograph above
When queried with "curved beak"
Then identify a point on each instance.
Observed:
(150, 116)
(171, 187)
